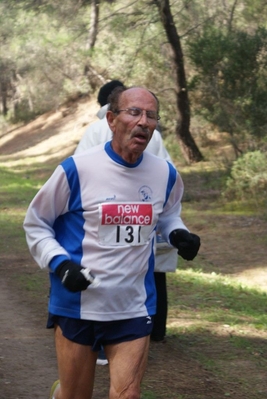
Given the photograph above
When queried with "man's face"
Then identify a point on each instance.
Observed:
(131, 133)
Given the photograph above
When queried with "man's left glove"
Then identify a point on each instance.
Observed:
(187, 243)
(71, 276)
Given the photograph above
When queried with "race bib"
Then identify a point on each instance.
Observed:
(124, 224)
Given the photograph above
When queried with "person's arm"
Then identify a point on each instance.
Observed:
(50, 202)
(170, 219)
(170, 223)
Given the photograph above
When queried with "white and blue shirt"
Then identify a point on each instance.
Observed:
(101, 212)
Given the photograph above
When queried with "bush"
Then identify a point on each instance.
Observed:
(248, 177)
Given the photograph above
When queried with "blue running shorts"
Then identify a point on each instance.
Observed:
(98, 333)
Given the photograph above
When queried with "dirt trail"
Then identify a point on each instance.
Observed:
(27, 356)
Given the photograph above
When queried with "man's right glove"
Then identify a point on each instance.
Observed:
(187, 243)
(71, 276)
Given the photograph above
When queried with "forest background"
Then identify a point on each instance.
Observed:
(206, 62)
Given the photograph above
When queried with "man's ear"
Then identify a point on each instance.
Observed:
(111, 118)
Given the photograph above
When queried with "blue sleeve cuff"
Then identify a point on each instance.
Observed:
(55, 262)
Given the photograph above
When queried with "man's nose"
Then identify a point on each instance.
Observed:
(143, 118)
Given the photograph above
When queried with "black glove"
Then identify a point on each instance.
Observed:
(71, 276)
(187, 243)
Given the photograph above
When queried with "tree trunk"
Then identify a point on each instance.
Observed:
(3, 94)
(187, 142)
(92, 75)
(92, 34)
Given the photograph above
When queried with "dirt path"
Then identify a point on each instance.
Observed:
(27, 357)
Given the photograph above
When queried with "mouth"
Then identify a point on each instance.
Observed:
(141, 137)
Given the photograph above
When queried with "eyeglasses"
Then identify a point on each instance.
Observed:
(138, 113)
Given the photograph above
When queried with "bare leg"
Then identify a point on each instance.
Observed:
(127, 364)
(76, 366)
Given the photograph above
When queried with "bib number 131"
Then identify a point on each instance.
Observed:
(124, 235)
(129, 234)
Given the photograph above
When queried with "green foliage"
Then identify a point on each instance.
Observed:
(44, 54)
(43, 46)
(255, 10)
(230, 84)
(248, 178)
(47, 44)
